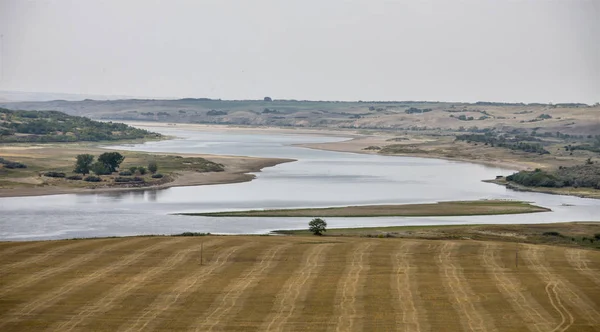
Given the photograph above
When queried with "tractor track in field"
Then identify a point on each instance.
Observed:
(147, 320)
(65, 266)
(574, 257)
(47, 299)
(348, 289)
(233, 293)
(291, 294)
(532, 313)
(559, 307)
(559, 289)
(4, 269)
(20, 248)
(403, 283)
(119, 292)
(462, 294)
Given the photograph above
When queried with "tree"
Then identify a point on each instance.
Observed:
(317, 226)
(111, 160)
(152, 167)
(268, 99)
(142, 170)
(132, 169)
(100, 168)
(83, 163)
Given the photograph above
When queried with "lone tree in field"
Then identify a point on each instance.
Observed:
(152, 167)
(111, 160)
(317, 226)
(83, 164)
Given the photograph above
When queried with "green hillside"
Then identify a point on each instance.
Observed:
(53, 126)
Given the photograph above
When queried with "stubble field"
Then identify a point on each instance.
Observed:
(296, 283)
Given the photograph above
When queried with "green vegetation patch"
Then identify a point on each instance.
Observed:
(518, 142)
(461, 208)
(53, 126)
(580, 176)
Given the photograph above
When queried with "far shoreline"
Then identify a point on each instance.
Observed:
(355, 141)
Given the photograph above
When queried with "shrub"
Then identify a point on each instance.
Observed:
(136, 179)
(53, 174)
(92, 178)
(552, 233)
(157, 176)
(13, 165)
(216, 112)
(152, 167)
(142, 170)
(597, 236)
(132, 169)
(125, 173)
(192, 234)
(74, 177)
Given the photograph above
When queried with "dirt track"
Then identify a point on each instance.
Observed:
(296, 283)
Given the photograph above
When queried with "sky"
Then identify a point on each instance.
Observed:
(444, 50)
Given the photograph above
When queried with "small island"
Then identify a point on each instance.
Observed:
(458, 208)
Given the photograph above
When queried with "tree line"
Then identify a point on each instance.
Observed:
(503, 142)
(110, 162)
(585, 176)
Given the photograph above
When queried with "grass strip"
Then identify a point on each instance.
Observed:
(457, 208)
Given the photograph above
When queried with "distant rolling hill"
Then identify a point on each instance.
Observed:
(400, 115)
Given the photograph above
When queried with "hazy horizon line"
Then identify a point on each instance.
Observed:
(126, 97)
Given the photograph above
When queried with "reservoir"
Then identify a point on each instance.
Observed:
(317, 179)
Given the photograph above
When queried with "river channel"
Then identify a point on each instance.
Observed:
(317, 179)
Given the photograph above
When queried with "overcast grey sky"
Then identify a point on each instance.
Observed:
(493, 50)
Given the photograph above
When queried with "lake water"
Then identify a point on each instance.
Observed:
(317, 179)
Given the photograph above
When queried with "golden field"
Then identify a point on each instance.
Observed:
(296, 283)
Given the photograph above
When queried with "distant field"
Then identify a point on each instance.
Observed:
(257, 283)
(459, 208)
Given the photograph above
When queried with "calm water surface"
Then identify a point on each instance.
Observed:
(317, 179)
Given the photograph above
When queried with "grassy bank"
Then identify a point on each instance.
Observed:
(575, 234)
(459, 208)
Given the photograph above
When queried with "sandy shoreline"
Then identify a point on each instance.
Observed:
(349, 133)
(356, 142)
(358, 145)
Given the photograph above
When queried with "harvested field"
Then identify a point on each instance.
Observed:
(296, 283)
